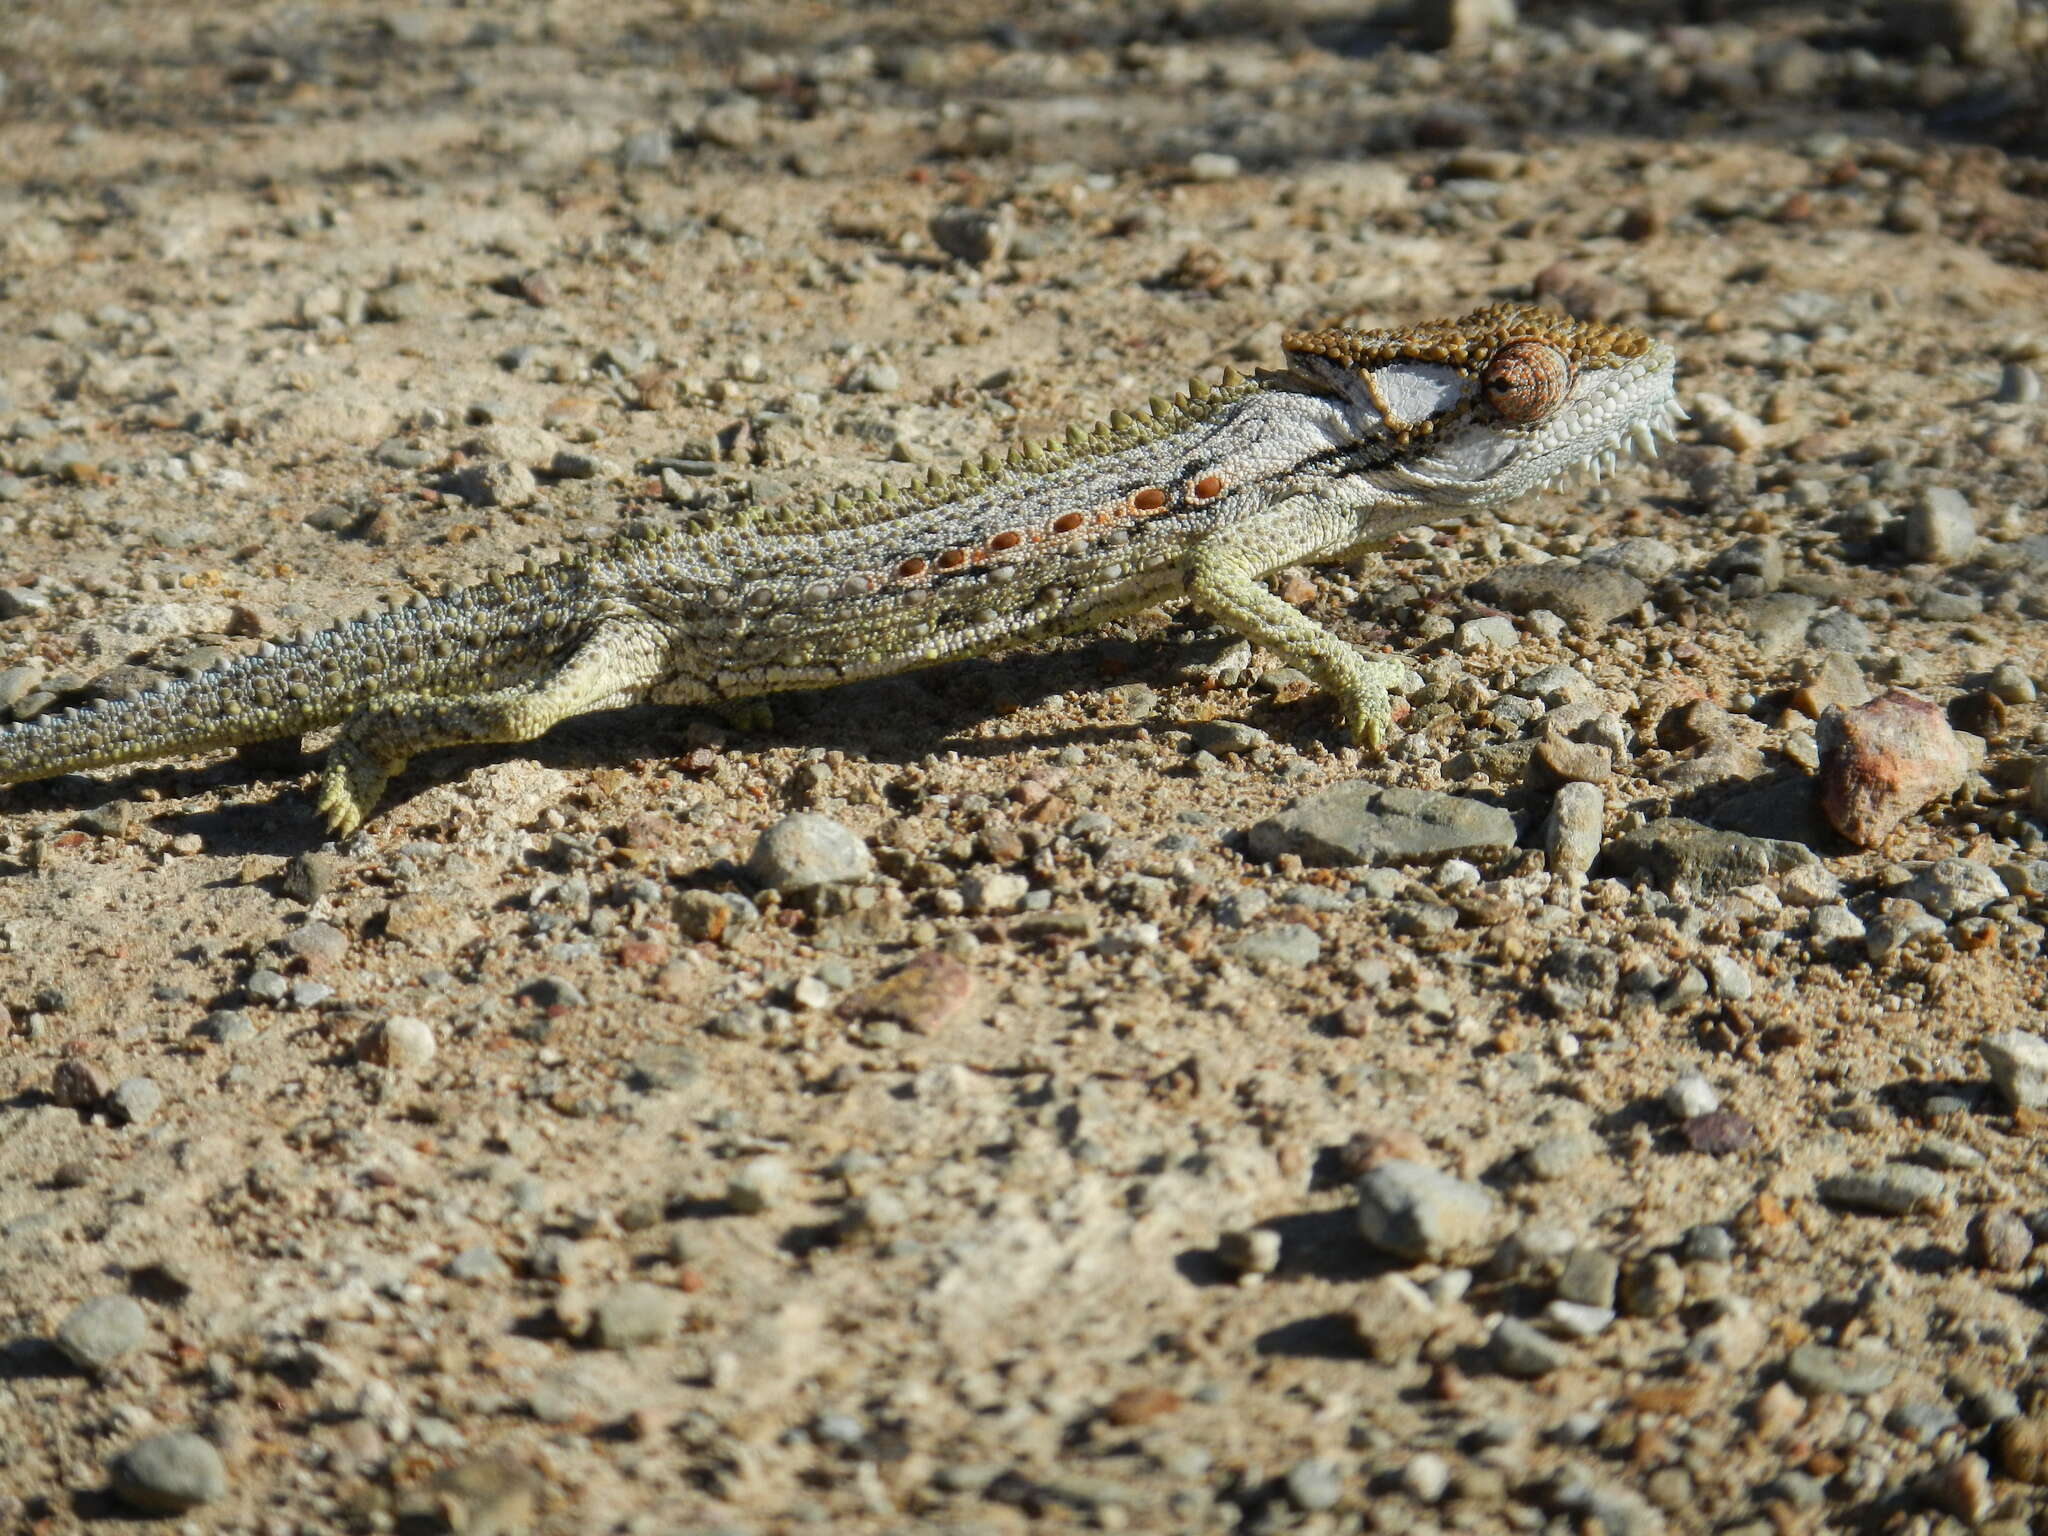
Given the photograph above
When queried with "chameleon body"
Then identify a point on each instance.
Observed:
(1204, 496)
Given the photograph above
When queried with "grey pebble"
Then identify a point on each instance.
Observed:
(478, 1264)
(1577, 1320)
(1520, 1349)
(1556, 1157)
(266, 986)
(1589, 1277)
(227, 1026)
(806, 850)
(1951, 888)
(135, 1100)
(1315, 1483)
(1676, 851)
(1426, 1477)
(1940, 526)
(1250, 1250)
(633, 1314)
(2018, 1062)
(1817, 1369)
(1284, 945)
(1653, 1286)
(96, 1333)
(1896, 1189)
(169, 1474)
(1585, 594)
(1421, 1213)
(758, 1184)
(1364, 823)
(1571, 833)
(2018, 385)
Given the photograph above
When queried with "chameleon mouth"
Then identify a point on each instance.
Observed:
(1641, 443)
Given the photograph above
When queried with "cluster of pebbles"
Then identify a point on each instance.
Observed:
(1073, 1088)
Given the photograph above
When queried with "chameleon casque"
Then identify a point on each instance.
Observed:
(1360, 435)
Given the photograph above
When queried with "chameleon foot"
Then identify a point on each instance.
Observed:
(351, 784)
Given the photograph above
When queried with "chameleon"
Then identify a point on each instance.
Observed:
(1359, 435)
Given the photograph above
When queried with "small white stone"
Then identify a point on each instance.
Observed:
(401, 1042)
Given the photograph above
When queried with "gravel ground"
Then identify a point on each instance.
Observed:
(1053, 1090)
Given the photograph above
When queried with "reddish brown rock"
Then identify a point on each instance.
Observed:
(1883, 761)
(931, 993)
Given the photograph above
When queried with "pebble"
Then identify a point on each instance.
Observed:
(1519, 1349)
(994, 892)
(1588, 595)
(1963, 1488)
(1940, 526)
(96, 1333)
(169, 1474)
(1677, 853)
(1287, 946)
(1577, 1320)
(1393, 1316)
(806, 850)
(1250, 1250)
(227, 1026)
(1426, 1477)
(1557, 1157)
(1884, 761)
(135, 1100)
(1819, 1369)
(1494, 632)
(1951, 888)
(401, 1042)
(1315, 1483)
(1571, 833)
(1421, 1214)
(1211, 166)
(932, 992)
(77, 1084)
(2018, 385)
(1366, 823)
(2010, 683)
(1653, 1286)
(1896, 1189)
(980, 237)
(1589, 1277)
(1691, 1095)
(633, 1314)
(1895, 925)
(758, 1184)
(2022, 1445)
(2018, 1062)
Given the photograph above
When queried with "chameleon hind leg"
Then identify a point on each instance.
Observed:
(613, 664)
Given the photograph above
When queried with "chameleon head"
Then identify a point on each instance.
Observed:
(1490, 406)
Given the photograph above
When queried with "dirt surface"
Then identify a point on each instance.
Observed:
(1013, 1184)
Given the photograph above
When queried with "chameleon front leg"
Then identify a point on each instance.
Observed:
(1226, 580)
(616, 661)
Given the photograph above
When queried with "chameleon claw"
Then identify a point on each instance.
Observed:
(351, 784)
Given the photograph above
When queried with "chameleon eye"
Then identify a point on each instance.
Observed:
(1526, 380)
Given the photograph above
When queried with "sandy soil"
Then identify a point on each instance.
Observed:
(683, 1205)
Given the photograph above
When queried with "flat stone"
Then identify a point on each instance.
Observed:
(1676, 851)
(1818, 1369)
(1290, 946)
(1587, 594)
(1361, 823)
